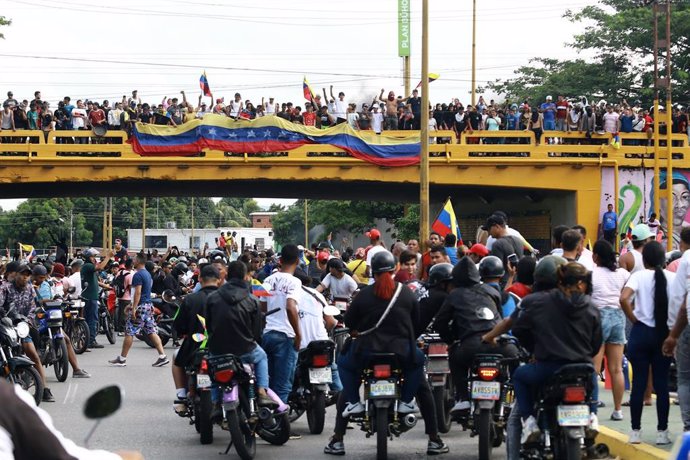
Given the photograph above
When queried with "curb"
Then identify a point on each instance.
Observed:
(619, 447)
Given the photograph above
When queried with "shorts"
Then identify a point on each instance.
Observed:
(144, 321)
(613, 325)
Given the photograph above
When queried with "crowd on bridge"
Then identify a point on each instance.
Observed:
(385, 112)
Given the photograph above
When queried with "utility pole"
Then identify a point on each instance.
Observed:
(474, 52)
(143, 227)
(191, 246)
(105, 222)
(71, 233)
(110, 222)
(424, 131)
(306, 224)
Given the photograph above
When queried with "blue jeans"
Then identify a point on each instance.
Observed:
(528, 378)
(258, 358)
(683, 366)
(644, 349)
(336, 385)
(513, 433)
(282, 359)
(549, 125)
(351, 364)
(91, 317)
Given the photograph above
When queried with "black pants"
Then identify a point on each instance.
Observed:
(610, 236)
(461, 358)
(121, 316)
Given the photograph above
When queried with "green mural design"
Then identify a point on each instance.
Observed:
(633, 211)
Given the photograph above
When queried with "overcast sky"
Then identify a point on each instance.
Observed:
(265, 47)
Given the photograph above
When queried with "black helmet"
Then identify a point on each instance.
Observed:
(440, 273)
(546, 273)
(217, 256)
(465, 273)
(491, 267)
(383, 261)
(181, 268)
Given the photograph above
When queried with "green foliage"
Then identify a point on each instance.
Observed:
(619, 33)
(408, 225)
(4, 22)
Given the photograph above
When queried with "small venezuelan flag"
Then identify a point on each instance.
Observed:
(259, 290)
(308, 93)
(203, 84)
(432, 77)
(446, 222)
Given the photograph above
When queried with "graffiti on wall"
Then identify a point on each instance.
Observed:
(636, 198)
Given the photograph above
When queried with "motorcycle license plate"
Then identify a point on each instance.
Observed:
(573, 415)
(203, 381)
(320, 375)
(486, 390)
(382, 388)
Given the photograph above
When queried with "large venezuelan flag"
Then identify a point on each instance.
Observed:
(446, 222)
(269, 134)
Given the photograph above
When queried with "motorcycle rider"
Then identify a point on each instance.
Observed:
(337, 282)
(234, 322)
(562, 326)
(18, 291)
(470, 310)
(394, 334)
(89, 281)
(434, 294)
(186, 324)
(491, 272)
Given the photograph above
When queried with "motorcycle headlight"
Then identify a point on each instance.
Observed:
(22, 329)
(55, 314)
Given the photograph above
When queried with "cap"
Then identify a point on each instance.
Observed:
(548, 98)
(12, 267)
(24, 268)
(337, 264)
(77, 262)
(300, 247)
(479, 249)
(58, 269)
(39, 270)
(493, 220)
(641, 232)
(323, 256)
(373, 234)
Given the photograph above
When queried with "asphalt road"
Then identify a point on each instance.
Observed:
(146, 421)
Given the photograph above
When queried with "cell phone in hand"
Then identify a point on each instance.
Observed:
(513, 260)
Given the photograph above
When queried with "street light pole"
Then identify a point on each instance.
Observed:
(474, 51)
(71, 233)
(424, 131)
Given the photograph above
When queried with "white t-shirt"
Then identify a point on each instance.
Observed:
(681, 285)
(642, 282)
(343, 287)
(511, 231)
(283, 286)
(377, 122)
(654, 226)
(586, 259)
(340, 109)
(352, 119)
(78, 122)
(611, 122)
(372, 252)
(74, 280)
(270, 108)
(607, 286)
(311, 316)
(235, 108)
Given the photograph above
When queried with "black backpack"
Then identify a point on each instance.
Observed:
(119, 283)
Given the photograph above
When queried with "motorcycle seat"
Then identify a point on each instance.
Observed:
(321, 345)
(384, 358)
(572, 369)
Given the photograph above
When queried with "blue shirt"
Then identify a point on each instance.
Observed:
(627, 124)
(143, 278)
(512, 122)
(452, 255)
(44, 291)
(610, 221)
(549, 111)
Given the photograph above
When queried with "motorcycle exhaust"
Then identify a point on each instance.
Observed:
(266, 417)
(409, 421)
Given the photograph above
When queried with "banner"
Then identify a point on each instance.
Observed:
(403, 28)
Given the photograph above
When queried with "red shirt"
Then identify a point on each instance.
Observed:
(97, 117)
(519, 289)
(562, 110)
(309, 118)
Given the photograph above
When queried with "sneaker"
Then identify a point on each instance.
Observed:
(353, 409)
(635, 437)
(617, 415)
(161, 362)
(118, 362)
(294, 436)
(48, 395)
(334, 448)
(96, 345)
(407, 408)
(80, 374)
(437, 447)
(460, 406)
(180, 408)
(266, 401)
(663, 438)
(593, 422)
(601, 404)
(120, 334)
(530, 430)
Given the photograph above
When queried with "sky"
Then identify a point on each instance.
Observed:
(94, 50)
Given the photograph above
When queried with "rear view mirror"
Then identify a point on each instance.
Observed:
(103, 403)
(72, 289)
(168, 296)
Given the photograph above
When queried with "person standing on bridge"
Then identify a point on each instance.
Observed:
(609, 225)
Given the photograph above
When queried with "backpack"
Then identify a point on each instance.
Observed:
(119, 283)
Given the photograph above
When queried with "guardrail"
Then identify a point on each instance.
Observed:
(83, 146)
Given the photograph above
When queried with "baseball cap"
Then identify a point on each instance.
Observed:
(77, 262)
(39, 270)
(337, 264)
(24, 268)
(479, 249)
(300, 247)
(12, 267)
(494, 219)
(373, 234)
(323, 256)
(58, 269)
(641, 232)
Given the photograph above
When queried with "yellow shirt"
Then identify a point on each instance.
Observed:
(359, 267)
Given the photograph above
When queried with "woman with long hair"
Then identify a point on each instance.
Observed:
(608, 281)
(645, 303)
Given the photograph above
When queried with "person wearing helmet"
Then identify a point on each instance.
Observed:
(89, 282)
(491, 271)
(379, 329)
(434, 295)
(560, 326)
(470, 310)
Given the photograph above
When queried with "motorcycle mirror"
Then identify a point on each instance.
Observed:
(168, 296)
(104, 402)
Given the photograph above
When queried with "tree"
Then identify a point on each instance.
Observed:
(4, 22)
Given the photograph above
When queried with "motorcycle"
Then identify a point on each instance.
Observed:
(311, 391)
(240, 411)
(51, 345)
(106, 323)
(75, 325)
(438, 375)
(340, 333)
(382, 377)
(15, 367)
(198, 404)
(563, 415)
(161, 305)
(492, 398)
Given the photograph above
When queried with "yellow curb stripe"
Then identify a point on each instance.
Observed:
(619, 446)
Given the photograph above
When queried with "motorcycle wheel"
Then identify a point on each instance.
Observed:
(30, 380)
(316, 412)
(484, 429)
(572, 449)
(241, 435)
(278, 434)
(381, 433)
(61, 364)
(109, 328)
(80, 336)
(203, 418)
(441, 398)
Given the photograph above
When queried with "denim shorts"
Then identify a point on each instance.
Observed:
(613, 325)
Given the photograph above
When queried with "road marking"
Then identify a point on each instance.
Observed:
(71, 391)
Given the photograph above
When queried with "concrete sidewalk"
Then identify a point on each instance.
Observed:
(615, 434)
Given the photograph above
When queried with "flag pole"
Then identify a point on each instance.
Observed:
(424, 132)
